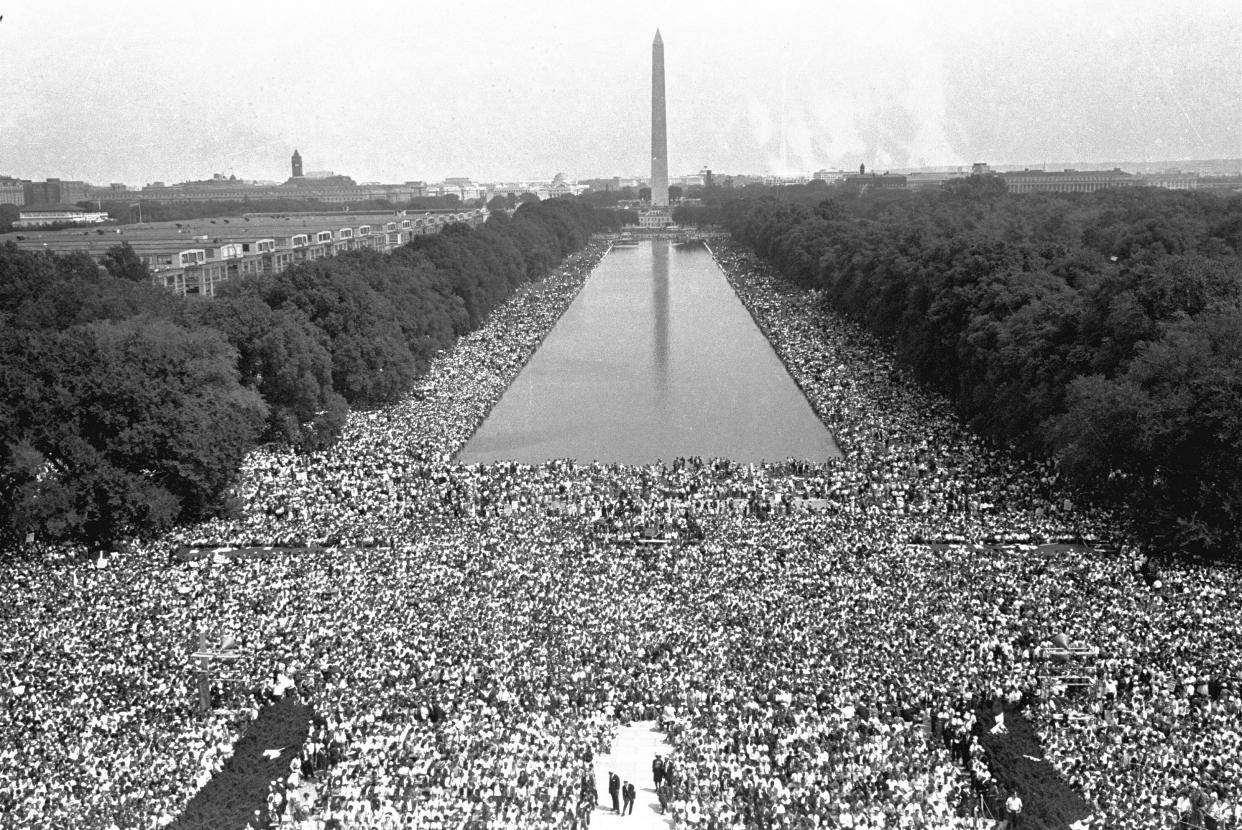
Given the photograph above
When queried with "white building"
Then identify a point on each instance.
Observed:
(655, 217)
(57, 215)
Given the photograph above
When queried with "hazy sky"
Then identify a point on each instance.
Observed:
(393, 91)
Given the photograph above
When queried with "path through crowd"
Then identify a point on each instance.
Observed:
(633, 750)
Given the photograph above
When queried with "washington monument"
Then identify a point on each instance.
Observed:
(659, 130)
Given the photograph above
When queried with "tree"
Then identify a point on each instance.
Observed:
(42, 290)
(1093, 328)
(124, 409)
(280, 356)
(121, 262)
(977, 186)
(1167, 434)
(371, 363)
(8, 215)
(295, 381)
(674, 193)
(120, 429)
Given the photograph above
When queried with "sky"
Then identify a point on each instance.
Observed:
(135, 91)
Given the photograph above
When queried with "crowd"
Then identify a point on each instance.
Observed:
(816, 638)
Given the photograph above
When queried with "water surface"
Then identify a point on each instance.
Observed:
(656, 358)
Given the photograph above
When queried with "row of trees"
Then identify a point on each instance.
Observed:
(124, 409)
(1101, 330)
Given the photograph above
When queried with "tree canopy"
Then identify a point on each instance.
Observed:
(1092, 329)
(120, 428)
(124, 409)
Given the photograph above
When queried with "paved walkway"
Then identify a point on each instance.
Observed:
(633, 750)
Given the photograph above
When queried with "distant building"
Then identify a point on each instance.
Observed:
(784, 181)
(1067, 181)
(828, 175)
(660, 216)
(615, 183)
(316, 185)
(336, 190)
(1221, 184)
(460, 186)
(109, 193)
(924, 181)
(55, 192)
(195, 256)
(1173, 180)
(40, 217)
(12, 192)
(867, 181)
(602, 185)
(559, 186)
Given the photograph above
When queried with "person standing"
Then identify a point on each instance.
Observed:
(657, 771)
(614, 791)
(590, 792)
(1013, 806)
(627, 794)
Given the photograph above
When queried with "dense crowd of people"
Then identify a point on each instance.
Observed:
(1157, 733)
(816, 636)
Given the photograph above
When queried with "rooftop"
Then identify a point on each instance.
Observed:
(51, 209)
(202, 233)
(1116, 171)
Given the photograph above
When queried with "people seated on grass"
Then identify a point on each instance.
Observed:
(820, 641)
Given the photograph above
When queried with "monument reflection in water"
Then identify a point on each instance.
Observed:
(655, 359)
(659, 312)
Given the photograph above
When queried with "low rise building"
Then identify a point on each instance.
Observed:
(785, 181)
(115, 190)
(867, 181)
(12, 191)
(461, 187)
(655, 217)
(1067, 181)
(195, 256)
(930, 180)
(327, 190)
(55, 192)
(1172, 180)
(40, 217)
(828, 176)
(1223, 185)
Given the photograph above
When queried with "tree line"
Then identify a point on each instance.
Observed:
(1102, 331)
(125, 409)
